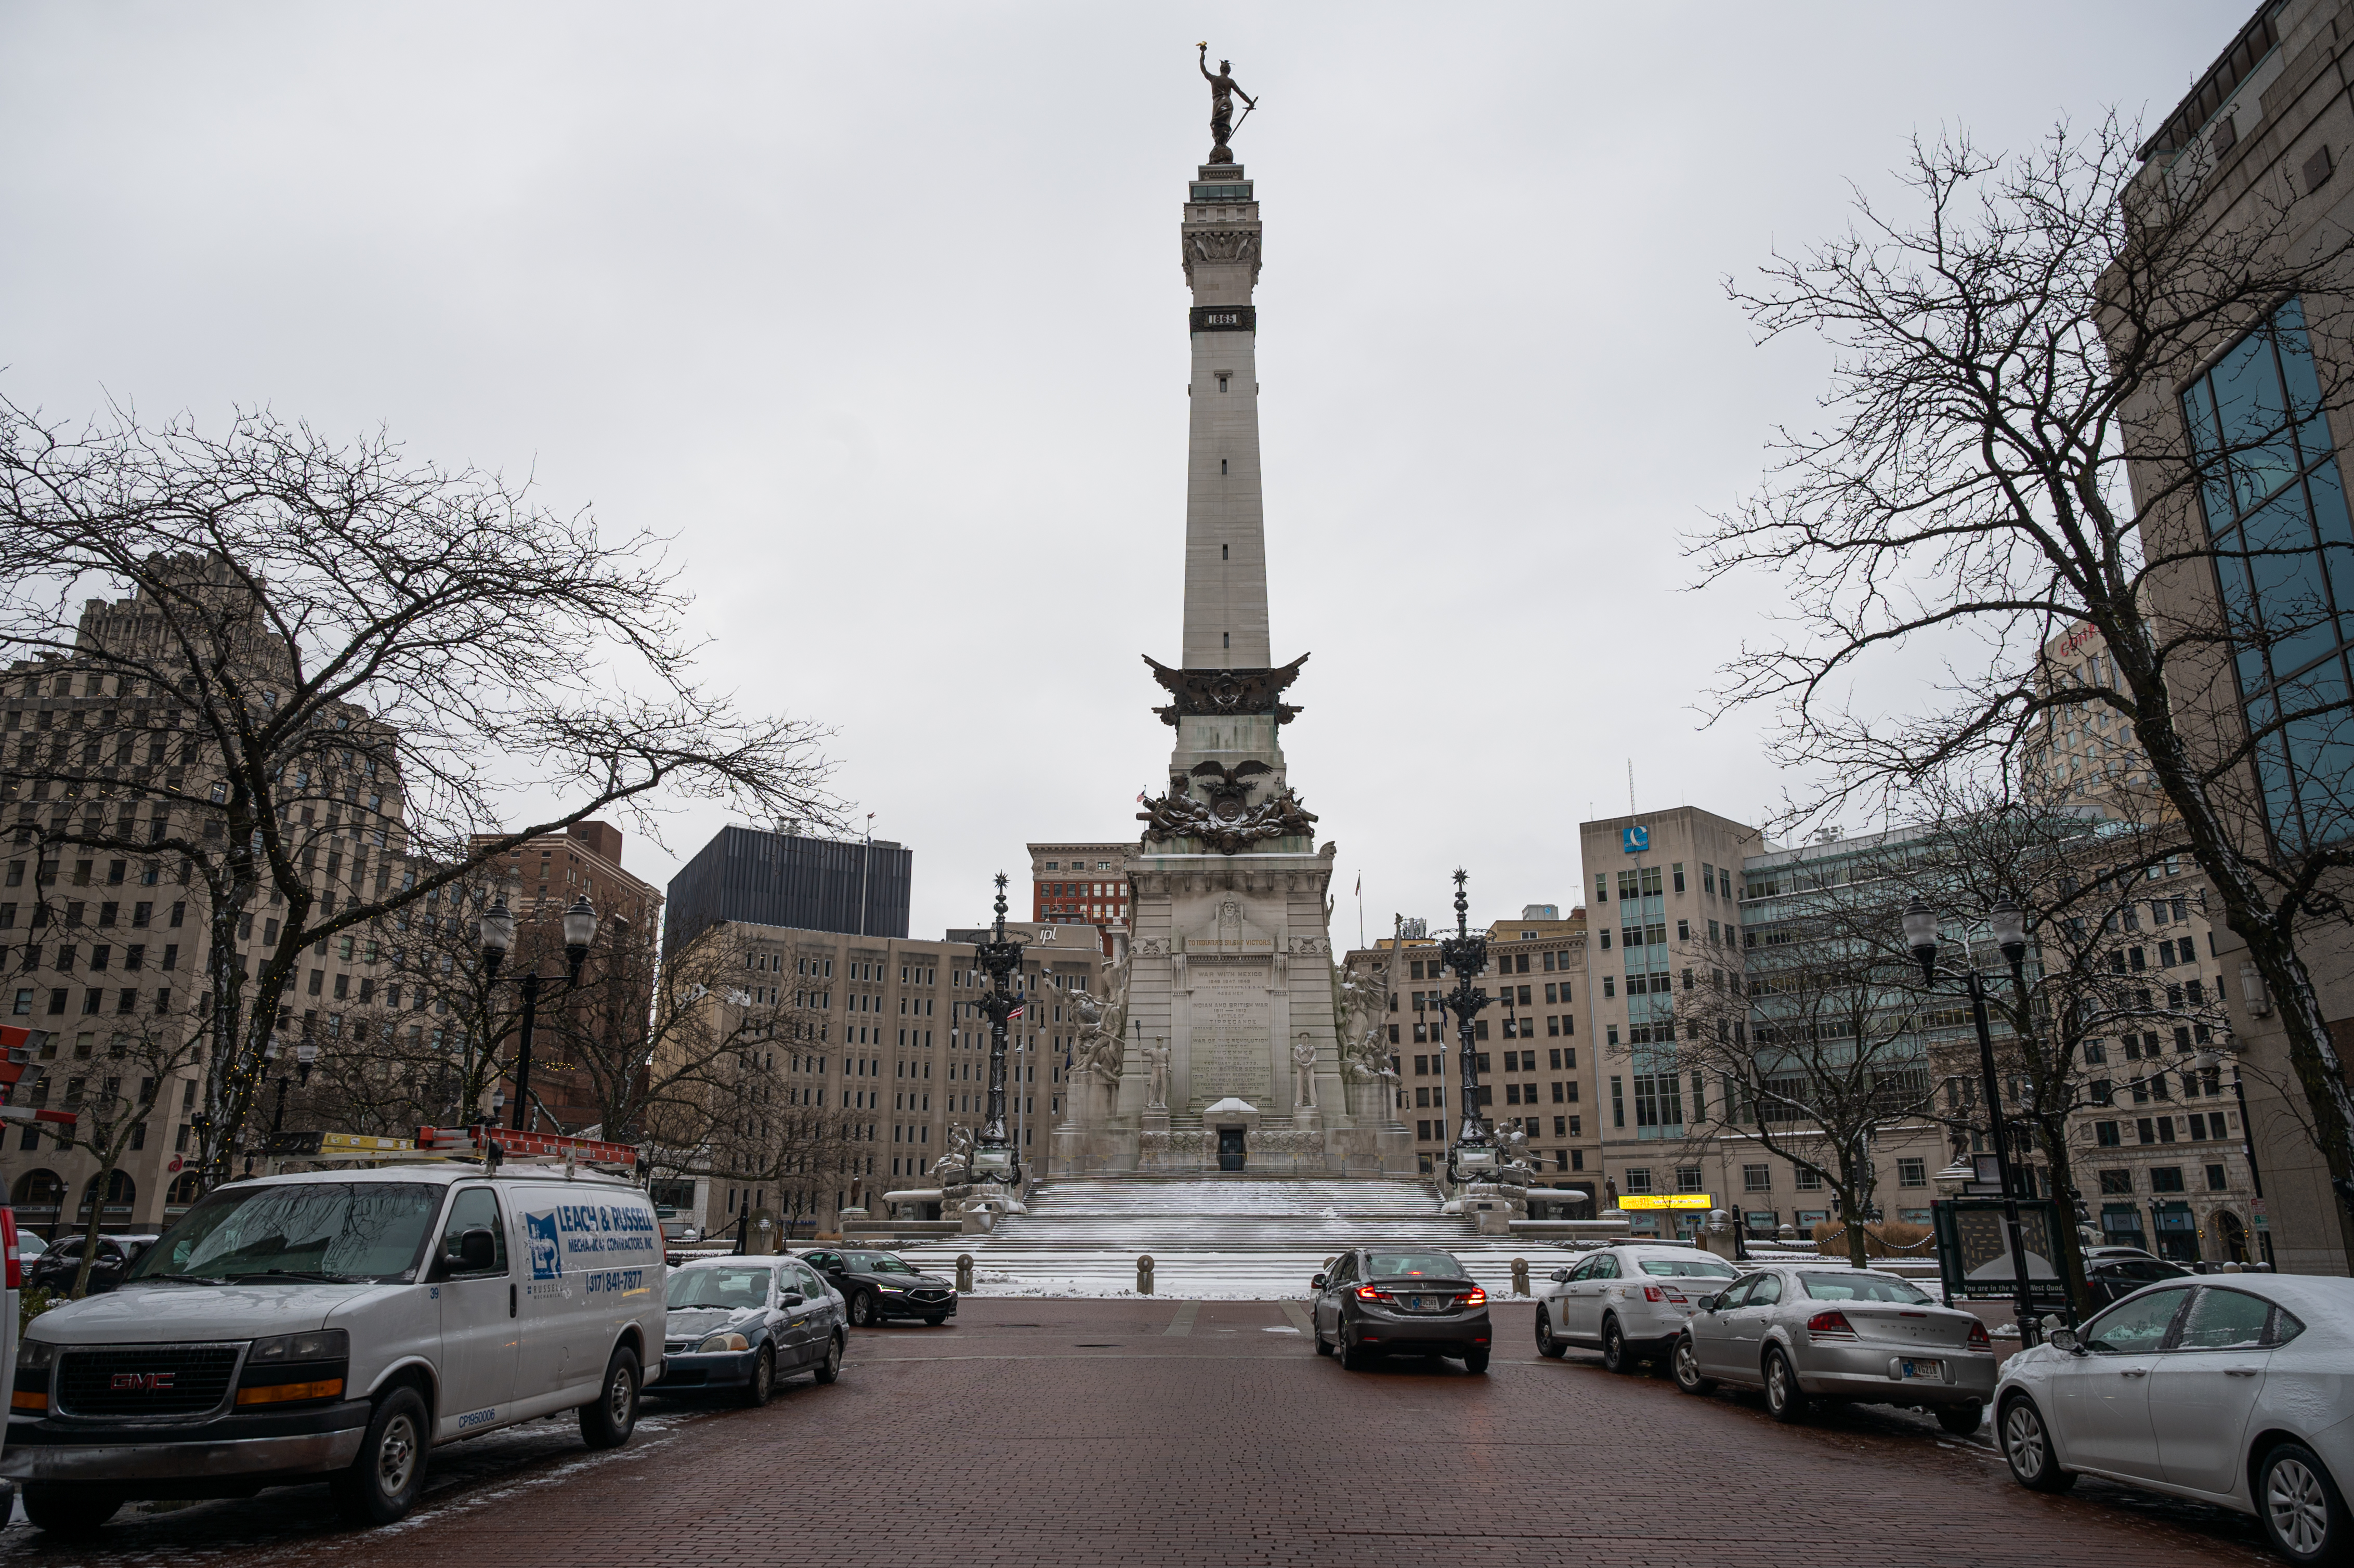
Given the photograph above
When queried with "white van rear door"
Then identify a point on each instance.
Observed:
(479, 1321)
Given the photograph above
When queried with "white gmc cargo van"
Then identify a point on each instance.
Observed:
(339, 1325)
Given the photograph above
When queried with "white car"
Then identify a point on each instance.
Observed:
(2237, 1391)
(1628, 1300)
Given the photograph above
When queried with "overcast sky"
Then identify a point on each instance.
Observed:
(878, 310)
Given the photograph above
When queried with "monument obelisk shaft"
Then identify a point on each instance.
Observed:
(1225, 521)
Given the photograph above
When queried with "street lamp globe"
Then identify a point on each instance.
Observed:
(270, 1046)
(1921, 933)
(580, 930)
(2009, 925)
(306, 1053)
(497, 929)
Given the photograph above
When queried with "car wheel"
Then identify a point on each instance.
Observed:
(862, 1309)
(1687, 1369)
(2304, 1518)
(67, 1510)
(1614, 1348)
(607, 1421)
(763, 1381)
(1356, 1358)
(1323, 1345)
(830, 1368)
(1961, 1420)
(384, 1480)
(2027, 1446)
(1785, 1401)
(937, 1319)
(1547, 1345)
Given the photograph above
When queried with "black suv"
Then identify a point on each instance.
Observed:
(879, 1285)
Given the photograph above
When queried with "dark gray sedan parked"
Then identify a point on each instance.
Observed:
(1382, 1301)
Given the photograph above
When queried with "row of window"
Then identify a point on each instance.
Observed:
(93, 1001)
(2196, 1128)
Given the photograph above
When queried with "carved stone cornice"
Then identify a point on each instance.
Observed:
(1178, 816)
(1226, 692)
(1225, 242)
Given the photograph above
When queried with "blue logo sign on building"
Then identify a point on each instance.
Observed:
(1634, 841)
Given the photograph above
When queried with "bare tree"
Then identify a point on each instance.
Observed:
(1811, 1035)
(112, 1088)
(342, 673)
(2005, 353)
(2088, 1027)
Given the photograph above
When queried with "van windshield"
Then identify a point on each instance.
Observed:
(309, 1231)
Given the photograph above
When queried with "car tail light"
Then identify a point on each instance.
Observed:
(1978, 1340)
(1367, 1293)
(1475, 1299)
(1653, 1293)
(9, 1245)
(1829, 1326)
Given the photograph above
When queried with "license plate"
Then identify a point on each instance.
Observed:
(1933, 1371)
(1417, 1303)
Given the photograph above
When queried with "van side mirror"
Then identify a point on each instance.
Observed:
(1317, 1283)
(478, 1249)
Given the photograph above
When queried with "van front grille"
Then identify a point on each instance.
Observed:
(132, 1381)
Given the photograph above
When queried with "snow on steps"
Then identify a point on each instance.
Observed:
(1227, 1237)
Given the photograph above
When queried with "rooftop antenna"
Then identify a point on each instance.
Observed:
(1630, 787)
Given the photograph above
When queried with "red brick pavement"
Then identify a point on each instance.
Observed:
(1064, 1432)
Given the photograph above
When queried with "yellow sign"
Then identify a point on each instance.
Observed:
(359, 1143)
(1667, 1201)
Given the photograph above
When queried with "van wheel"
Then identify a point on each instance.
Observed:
(382, 1484)
(830, 1368)
(763, 1381)
(607, 1421)
(67, 1510)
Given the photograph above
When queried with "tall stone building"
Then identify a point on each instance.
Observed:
(1225, 1048)
(2260, 565)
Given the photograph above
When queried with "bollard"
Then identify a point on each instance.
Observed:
(964, 1273)
(1144, 1274)
(1519, 1276)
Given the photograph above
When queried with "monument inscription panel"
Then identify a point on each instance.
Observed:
(1230, 1030)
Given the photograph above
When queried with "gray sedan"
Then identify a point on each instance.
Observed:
(1803, 1333)
(741, 1323)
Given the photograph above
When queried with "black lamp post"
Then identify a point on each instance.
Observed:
(497, 928)
(1474, 1152)
(2009, 925)
(305, 1054)
(993, 1157)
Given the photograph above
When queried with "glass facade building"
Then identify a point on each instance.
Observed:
(2276, 518)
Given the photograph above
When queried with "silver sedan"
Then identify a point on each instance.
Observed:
(1821, 1331)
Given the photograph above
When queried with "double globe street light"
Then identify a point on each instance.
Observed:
(1473, 1154)
(993, 1157)
(2008, 923)
(497, 928)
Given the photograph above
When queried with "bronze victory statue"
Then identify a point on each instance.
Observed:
(1222, 93)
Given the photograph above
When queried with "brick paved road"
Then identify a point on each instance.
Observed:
(1046, 1432)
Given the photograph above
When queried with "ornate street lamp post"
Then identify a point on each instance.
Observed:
(1473, 1154)
(2009, 925)
(305, 1054)
(497, 928)
(993, 1157)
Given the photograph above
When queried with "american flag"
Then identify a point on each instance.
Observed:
(1017, 1012)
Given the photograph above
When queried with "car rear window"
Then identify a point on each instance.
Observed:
(1396, 1265)
(1861, 1288)
(729, 1287)
(1689, 1268)
(2224, 1320)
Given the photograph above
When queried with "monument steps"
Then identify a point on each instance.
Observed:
(1232, 1235)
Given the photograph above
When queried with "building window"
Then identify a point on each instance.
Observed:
(1809, 1178)
(1688, 1177)
(1756, 1178)
(1639, 1180)
(1912, 1173)
(2269, 483)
